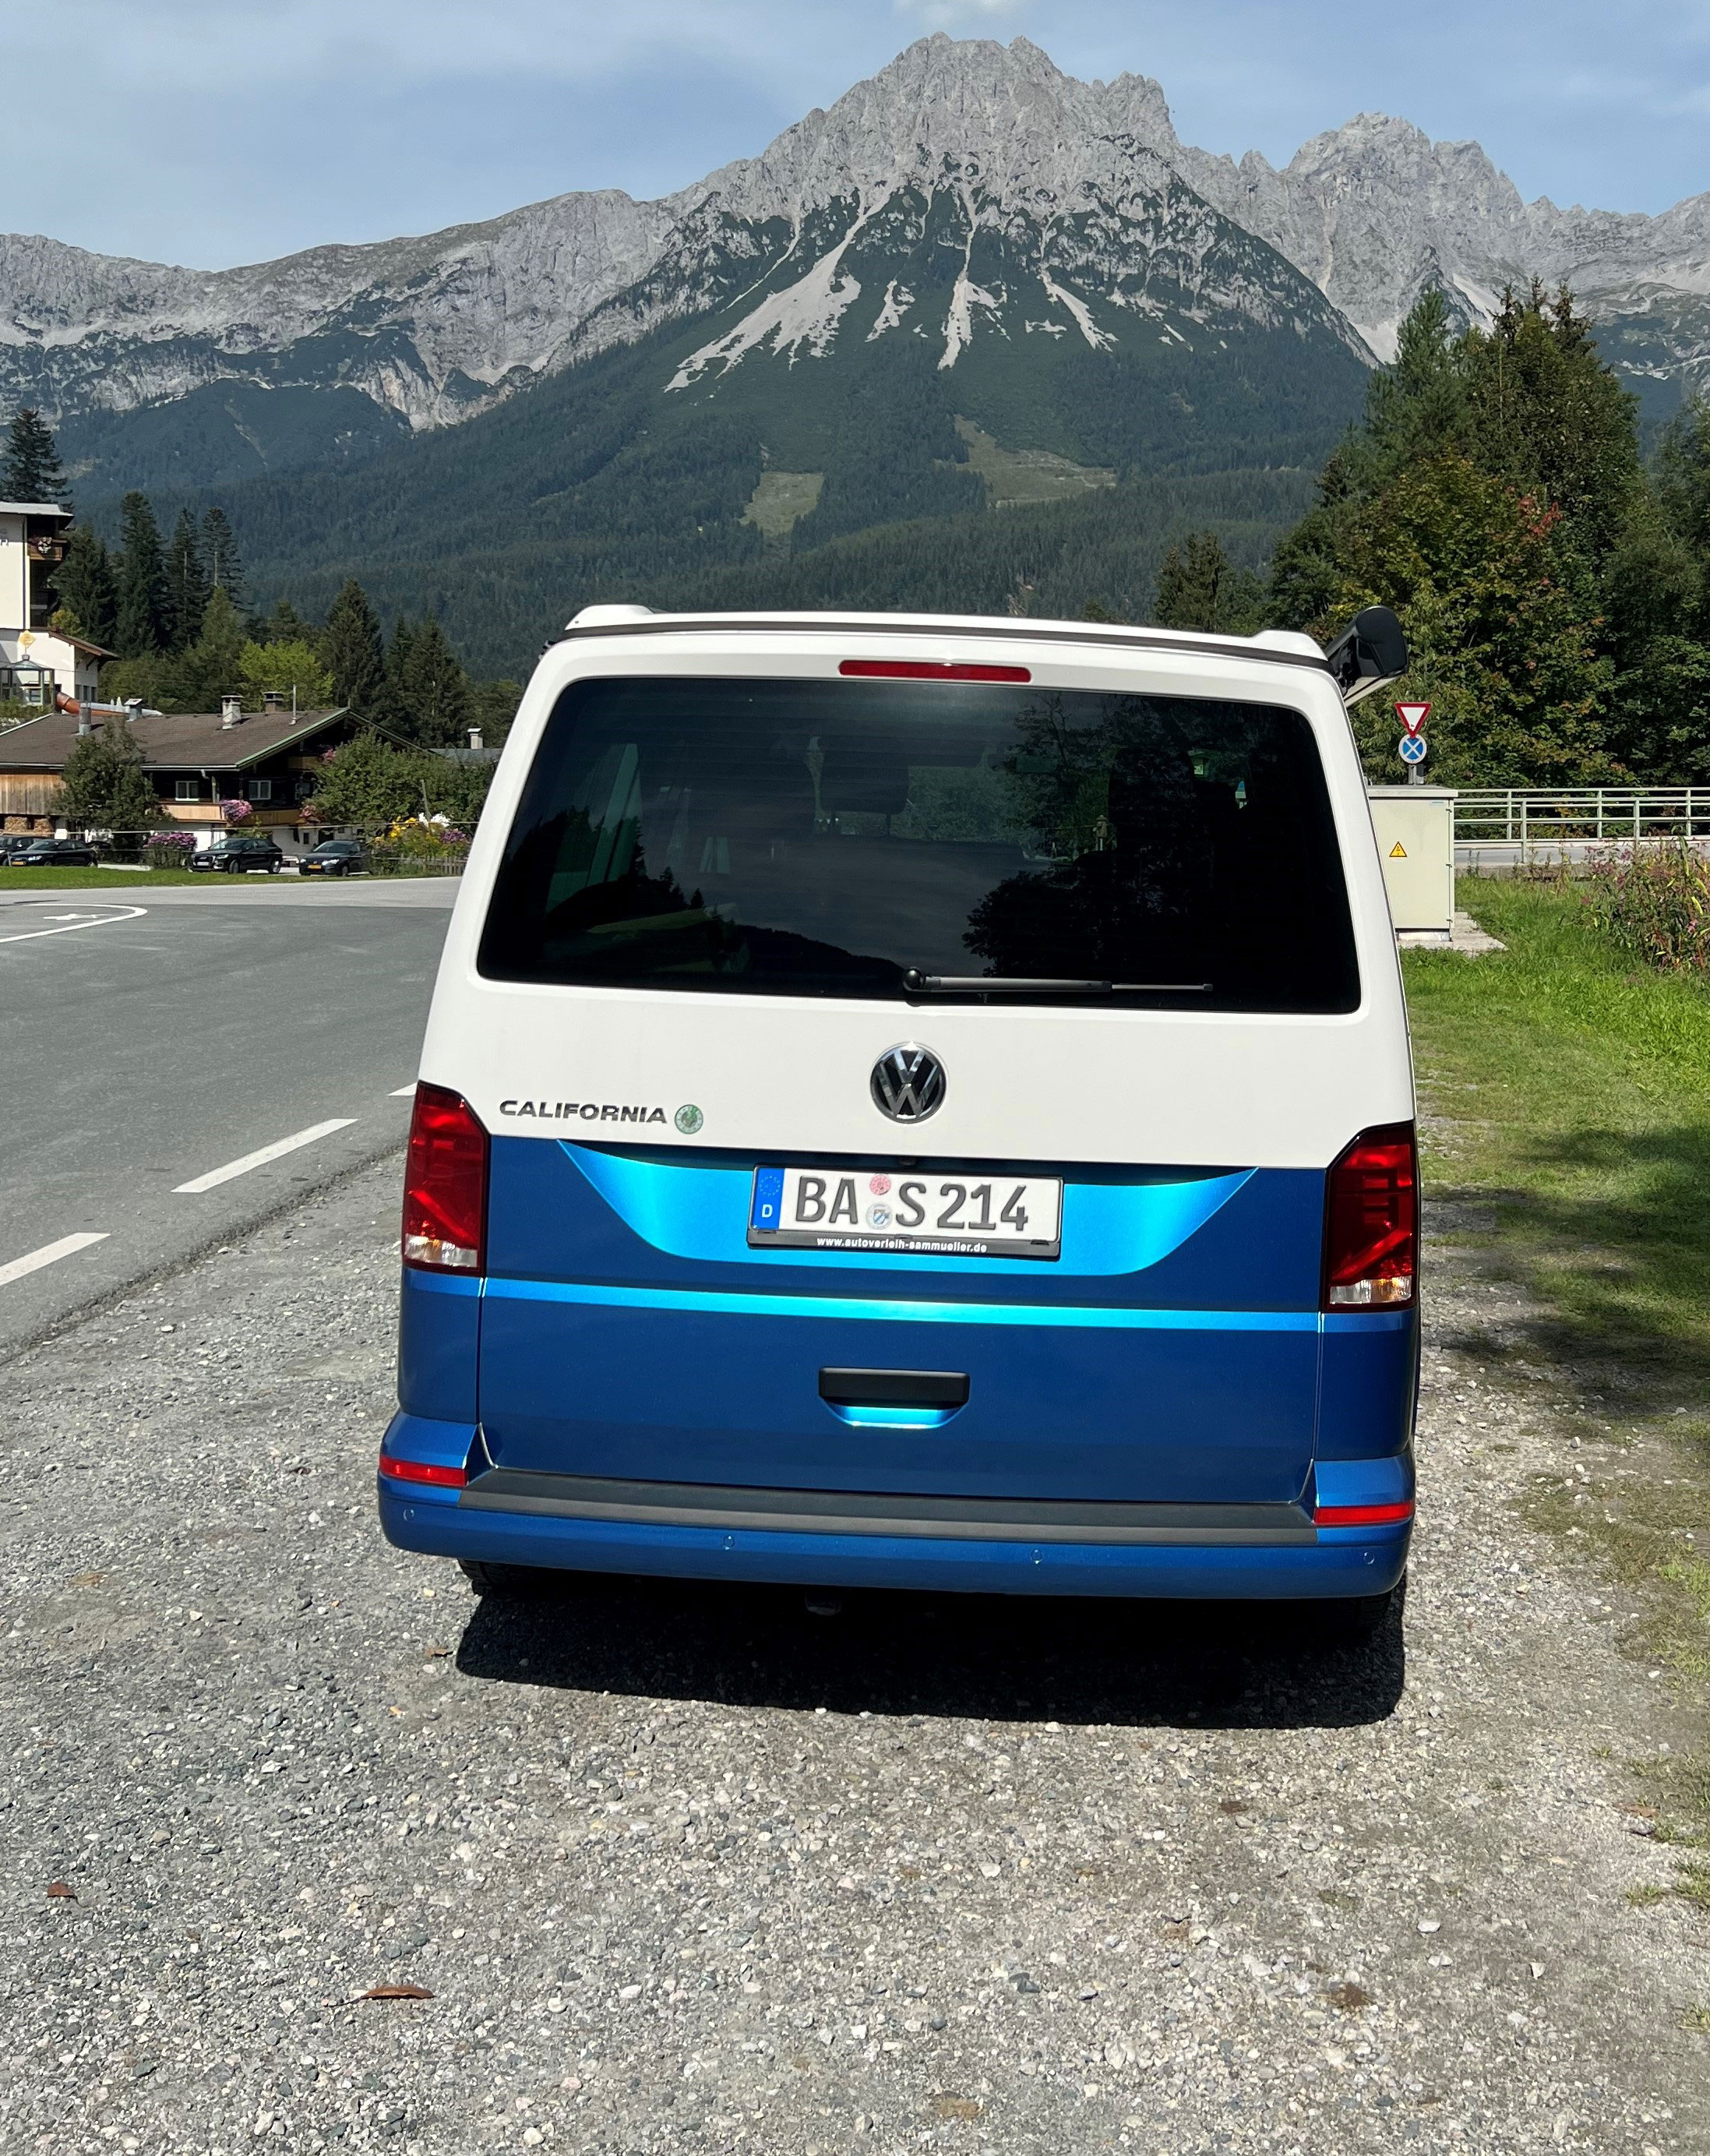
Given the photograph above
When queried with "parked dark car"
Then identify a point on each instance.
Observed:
(53, 854)
(12, 842)
(235, 853)
(334, 857)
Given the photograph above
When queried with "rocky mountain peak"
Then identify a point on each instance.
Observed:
(1123, 215)
(1002, 119)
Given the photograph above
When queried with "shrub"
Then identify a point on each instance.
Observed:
(168, 850)
(420, 844)
(1654, 901)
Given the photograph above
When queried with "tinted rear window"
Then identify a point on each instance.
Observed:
(831, 838)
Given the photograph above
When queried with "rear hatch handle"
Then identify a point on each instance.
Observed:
(894, 1389)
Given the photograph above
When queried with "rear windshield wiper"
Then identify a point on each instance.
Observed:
(1016, 984)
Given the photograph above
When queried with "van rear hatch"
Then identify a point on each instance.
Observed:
(1110, 933)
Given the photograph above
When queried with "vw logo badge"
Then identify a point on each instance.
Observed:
(908, 1083)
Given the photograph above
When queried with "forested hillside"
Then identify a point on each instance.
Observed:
(596, 484)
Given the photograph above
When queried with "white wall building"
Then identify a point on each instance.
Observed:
(36, 662)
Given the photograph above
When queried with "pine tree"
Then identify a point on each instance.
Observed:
(213, 666)
(188, 585)
(1199, 587)
(436, 688)
(30, 470)
(220, 557)
(142, 625)
(394, 695)
(284, 625)
(1547, 415)
(86, 588)
(1683, 477)
(354, 651)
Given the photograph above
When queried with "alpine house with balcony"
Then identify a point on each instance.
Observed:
(198, 762)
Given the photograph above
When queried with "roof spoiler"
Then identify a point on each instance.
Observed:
(1370, 653)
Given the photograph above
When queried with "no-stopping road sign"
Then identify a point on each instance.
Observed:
(1412, 747)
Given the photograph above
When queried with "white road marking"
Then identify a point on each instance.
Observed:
(260, 1158)
(92, 921)
(403, 1092)
(48, 1254)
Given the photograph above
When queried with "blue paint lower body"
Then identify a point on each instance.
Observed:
(1340, 1562)
(1176, 1357)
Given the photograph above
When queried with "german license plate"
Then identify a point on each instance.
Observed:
(964, 1216)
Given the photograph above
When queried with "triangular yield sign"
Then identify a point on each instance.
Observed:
(1413, 716)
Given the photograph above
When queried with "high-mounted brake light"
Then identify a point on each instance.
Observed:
(1371, 1222)
(1363, 1515)
(929, 670)
(423, 1470)
(445, 1185)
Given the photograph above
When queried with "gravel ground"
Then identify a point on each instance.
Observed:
(689, 1868)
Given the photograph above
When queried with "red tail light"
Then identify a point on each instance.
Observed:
(445, 1185)
(1371, 1222)
(928, 669)
(1364, 1516)
(423, 1470)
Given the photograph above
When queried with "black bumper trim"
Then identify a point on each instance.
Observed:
(856, 1512)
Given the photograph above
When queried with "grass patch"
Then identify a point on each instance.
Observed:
(1569, 1089)
(781, 500)
(1027, 475)
(93, 879)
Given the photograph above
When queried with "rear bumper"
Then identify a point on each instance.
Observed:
(1266, 1553)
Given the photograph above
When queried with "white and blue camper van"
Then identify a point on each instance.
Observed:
(919, 1103)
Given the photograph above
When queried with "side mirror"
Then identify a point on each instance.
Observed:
(1370, 652)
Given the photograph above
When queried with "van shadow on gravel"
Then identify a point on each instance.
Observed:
(1230, 1665)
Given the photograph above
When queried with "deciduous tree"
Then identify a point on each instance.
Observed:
(103, 786)
(293, 669)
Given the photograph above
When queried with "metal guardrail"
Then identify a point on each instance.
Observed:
(1605, 815)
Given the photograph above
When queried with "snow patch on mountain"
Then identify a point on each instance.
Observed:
(958, 323)
(804, 315)
(1097, 338)
(896, 303)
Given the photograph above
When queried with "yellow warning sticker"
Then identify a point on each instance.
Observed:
(1397, 852)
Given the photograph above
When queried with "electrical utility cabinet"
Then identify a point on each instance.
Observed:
(1415, 828)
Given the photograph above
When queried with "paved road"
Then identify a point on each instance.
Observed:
(153, 1042)
(686, 1871)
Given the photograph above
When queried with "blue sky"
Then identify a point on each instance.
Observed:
(215, 132)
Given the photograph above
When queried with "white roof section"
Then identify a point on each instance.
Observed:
(33, 509)
(1284, 644)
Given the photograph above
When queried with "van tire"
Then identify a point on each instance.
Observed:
(502, 1579)
(1361, 1616)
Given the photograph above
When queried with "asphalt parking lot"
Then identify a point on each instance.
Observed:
(688, 1869)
